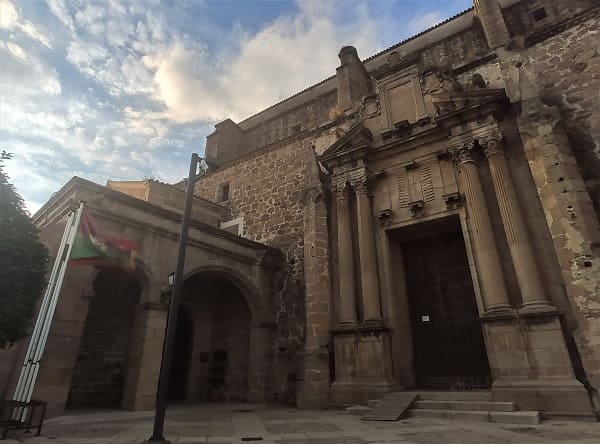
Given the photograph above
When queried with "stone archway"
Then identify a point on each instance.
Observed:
(219, 356)
(98, 379)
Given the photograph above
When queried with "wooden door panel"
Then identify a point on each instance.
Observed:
(448, 342)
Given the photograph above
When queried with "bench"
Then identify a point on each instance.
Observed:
(19, 415)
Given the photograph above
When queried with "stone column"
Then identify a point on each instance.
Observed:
(521, 252)
(495, 296)
(259, 371)
(367, 252)
(346, 303)
(144, 356)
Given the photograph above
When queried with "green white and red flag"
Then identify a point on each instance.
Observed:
(101, 248)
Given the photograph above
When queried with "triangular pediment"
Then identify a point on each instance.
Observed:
(358, 138)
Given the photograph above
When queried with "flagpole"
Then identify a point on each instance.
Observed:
(42, 312)
(37, 343)
(165, 366)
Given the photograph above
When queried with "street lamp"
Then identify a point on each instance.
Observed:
(175, 281)
(165, 295)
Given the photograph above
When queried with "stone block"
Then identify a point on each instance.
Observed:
(532, 418)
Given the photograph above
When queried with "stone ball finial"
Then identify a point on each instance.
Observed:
(348, 54)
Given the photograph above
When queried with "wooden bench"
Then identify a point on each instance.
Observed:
(19, 415)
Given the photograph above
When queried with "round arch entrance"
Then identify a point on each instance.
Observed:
(98, 379)
(212, 343)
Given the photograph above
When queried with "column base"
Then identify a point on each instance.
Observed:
(499, 311)
(358, 392)
(363, 362)
(555, 399)
(531, 366)
(537, 307)
(313, 388)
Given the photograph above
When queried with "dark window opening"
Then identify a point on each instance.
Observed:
(296, 128)
(224, 192)
(539, 14)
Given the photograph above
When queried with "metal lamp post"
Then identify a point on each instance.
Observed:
(175, 279)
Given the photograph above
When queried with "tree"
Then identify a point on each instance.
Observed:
(23, 261)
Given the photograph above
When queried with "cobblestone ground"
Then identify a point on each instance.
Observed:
(228, 424)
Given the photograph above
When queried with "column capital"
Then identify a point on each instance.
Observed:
(361, 185)
(464, 152)
(492, 144)
(341, 188)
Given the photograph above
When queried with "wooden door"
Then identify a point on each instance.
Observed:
(448, 340)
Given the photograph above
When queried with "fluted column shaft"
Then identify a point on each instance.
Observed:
(495, 295)
(347, 298)
(368, 253)
(521, 251)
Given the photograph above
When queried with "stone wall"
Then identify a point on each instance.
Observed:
(556, 79)
(309, 116)
(266, 190)
(566, 70)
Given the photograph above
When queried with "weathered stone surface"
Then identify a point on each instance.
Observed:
(340, 178)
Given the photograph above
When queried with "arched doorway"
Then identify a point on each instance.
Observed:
(219, 354)
(98, 376)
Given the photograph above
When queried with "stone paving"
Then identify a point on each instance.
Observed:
(239, 423)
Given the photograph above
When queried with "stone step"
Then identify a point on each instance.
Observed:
(455, 396)
(531, 418)
(373, 402)
(491, 406)
(358, 410)
(458, 415)
(525, 417)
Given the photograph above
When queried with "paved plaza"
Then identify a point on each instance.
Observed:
(238, 423)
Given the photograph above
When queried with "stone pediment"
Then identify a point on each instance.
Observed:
(453, 105)
(355, 143)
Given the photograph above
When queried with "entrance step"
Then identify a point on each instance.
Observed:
(392, 406)
(530, 418)
(455, 396)
(462, 406)
(479, 406)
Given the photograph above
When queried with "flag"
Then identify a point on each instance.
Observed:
(101, 248)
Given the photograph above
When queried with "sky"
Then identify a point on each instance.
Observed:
(128, 89)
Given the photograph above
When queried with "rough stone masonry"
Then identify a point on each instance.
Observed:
(426, 218)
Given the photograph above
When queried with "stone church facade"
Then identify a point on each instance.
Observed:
(425, 219)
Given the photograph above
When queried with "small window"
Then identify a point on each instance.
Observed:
(296, 129)
(224, 192)
(539, 14)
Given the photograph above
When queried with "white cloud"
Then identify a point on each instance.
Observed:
(166, 82)
(24, 75)
(10, 19)
(58, 8)
(424, 21)
(9, 16)
(283, 58)
(38, 34)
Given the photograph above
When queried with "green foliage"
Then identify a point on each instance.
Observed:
(23, 261)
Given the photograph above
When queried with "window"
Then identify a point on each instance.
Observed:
(539, 14)
(223, 192)
(296, 129)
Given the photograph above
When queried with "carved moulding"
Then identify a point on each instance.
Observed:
(492, 144)
(340, 187)
(417, 208)
(385, 217)
(464, 152)
(452, 200)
